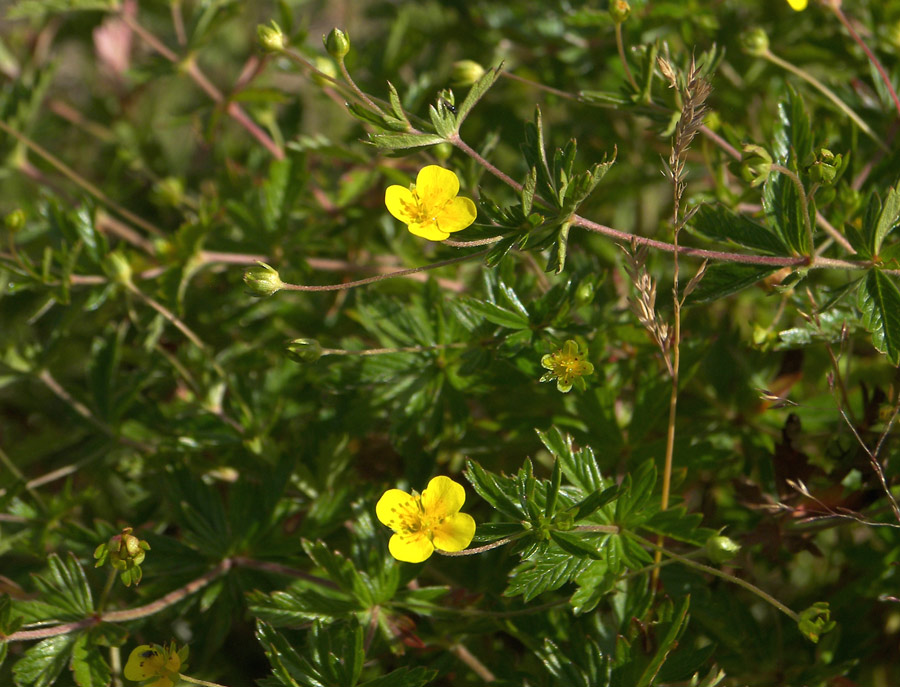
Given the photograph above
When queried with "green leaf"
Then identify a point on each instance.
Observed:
(668, 642)
(476, 92)
(784, 212)
(725, 278)
(595, 502)
(579, 546)
(403, 141)
(495, 314)
(42, 663)
(548, 569)
(879, 301)
(66, 588)
(580, 467)
(403, 677)
(497, 491)
(89, 668)
(887, 219)
(722, 224)
(795, 133)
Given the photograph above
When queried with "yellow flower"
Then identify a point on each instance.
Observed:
(567, 366)
(798, 5)
(431, 209)
(150, 661)
(427, 521)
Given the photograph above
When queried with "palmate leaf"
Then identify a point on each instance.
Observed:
(42, 663)
(65, 588)
(784, 212)
(879, 301)
(547, 569)
(725, 278)
(89, 668)
(722, 224)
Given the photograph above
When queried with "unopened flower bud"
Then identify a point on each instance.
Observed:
(327, 68)
(337, 43)
(721, 549)
(465, 73)
(304, 350)
(271, 37)
(620, 10)
(118, 269)
(15, 220)
(263, 280)
(756, 164)
(442, 151)
(825, 167)
(755, 42)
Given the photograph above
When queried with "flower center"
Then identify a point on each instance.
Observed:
(419, 213)
(414, 520)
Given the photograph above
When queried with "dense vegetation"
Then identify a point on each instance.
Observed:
(637, 322)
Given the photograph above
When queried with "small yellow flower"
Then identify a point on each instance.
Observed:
(798, 5)
(150, 661)
(567, 366)
(427, 521)
(431, 209)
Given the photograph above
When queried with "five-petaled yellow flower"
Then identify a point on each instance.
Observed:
(150, 661)
(427, 521)
(431, 209)
(798, 5)
(567, 366)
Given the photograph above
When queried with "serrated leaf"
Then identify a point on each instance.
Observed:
(723, 279)
(887, 219)
(403, 141)
(722, 224)
(784, 212)
(495, 314)
(89, 668)
(879, 301)
(403, 677)
(42, 663)
(497, 491)
(476, 92)
(667, 643)
(66, 588)
(579, 546)
(545, 571)
(795, 132)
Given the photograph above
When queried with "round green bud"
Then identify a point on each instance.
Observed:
(755, 42)
(304, 350)
(271, 37)
(326, 68)
(118, 268)
(584, 294)
(15, 220)
(263, 280)
(620, 10)
(721, 549)
(756, 164)
(442, 151)
(465, 73)
(169, 191)
(337, 43)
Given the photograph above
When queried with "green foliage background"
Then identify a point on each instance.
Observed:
(166, 400)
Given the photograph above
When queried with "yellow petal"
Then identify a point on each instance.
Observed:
(410, 548)
(429, 230)
(455, 533)
(798, 5)
(144, 662)
(390, 507)
(456, 215)
(442, 498)
(400, 203)
(435, 186)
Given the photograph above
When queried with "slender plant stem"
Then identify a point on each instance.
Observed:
(684, 560)
(620, 45)
(76, 178)
(827, 92)
(382, 277)
(356, 89)
(7, 461)
(480, 549)
(386, 351)
(232, 109)
(467, 657)
(160, 604)
(839, 13)
(197, 681)
(107, 588)
(539, 85)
